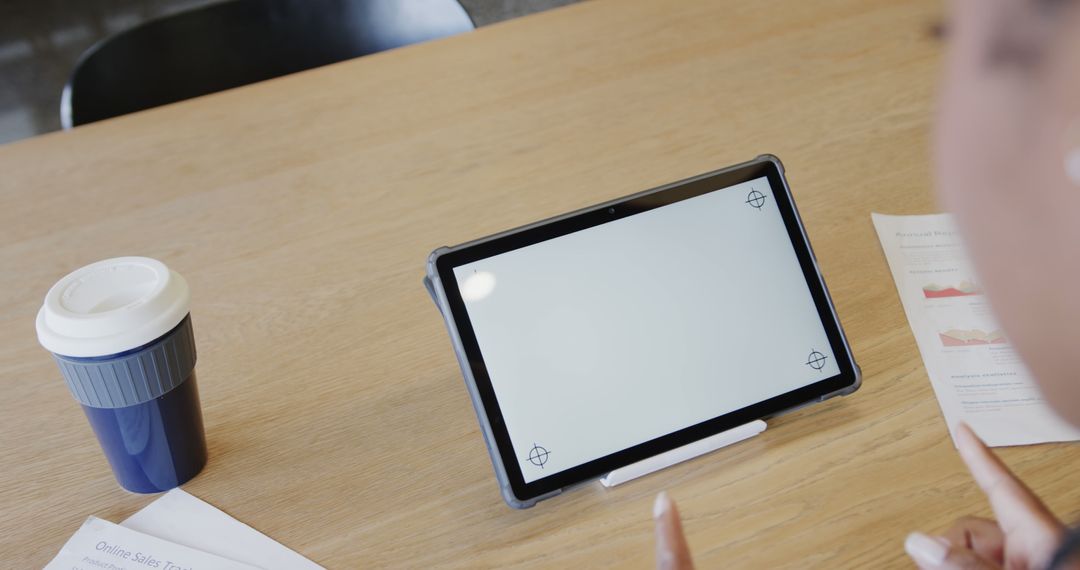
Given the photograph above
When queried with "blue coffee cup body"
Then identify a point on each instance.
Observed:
(143, 405)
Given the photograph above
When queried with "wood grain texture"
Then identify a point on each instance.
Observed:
(301, 211)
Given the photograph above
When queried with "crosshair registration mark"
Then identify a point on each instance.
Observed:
(755, 199)
(538, 456)
(816, 360)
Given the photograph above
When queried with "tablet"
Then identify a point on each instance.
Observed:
(602, 337)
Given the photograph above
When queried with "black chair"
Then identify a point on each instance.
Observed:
(237, 42)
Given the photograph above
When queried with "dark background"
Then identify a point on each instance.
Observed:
(40, 40)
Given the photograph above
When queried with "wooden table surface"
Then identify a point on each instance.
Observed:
(301, 211)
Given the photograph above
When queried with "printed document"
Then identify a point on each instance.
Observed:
(175, 532)
(102, 544)
(180, 517)
(976, 375)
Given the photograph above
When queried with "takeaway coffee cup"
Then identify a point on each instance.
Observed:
(120, 331)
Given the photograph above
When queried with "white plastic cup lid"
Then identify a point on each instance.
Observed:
(112, 306)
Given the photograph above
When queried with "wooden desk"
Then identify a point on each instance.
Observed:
(301, 211)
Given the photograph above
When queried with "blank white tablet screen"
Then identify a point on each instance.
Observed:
(627, 331)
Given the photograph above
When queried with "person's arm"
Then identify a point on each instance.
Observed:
(1008, 119)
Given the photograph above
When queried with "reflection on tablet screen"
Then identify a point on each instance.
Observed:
(608, 337)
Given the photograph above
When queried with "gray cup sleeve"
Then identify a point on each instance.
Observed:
(133, 377)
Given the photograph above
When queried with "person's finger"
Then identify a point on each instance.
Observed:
(935, 553)
(1014, 505)
(672, 552)
(981, 535)
(964, 559)
(927, 551)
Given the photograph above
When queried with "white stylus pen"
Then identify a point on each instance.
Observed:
(680, 454)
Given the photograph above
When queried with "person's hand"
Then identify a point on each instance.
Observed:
(1025, 535)
(672, 553)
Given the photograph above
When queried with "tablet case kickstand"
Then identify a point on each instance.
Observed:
(431, 291)
(684, 453)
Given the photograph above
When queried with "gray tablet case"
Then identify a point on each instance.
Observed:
(439, 297)
(433, 284)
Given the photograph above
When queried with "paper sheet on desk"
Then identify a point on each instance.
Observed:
(183, 519)
(976, 375)
(102, 544)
